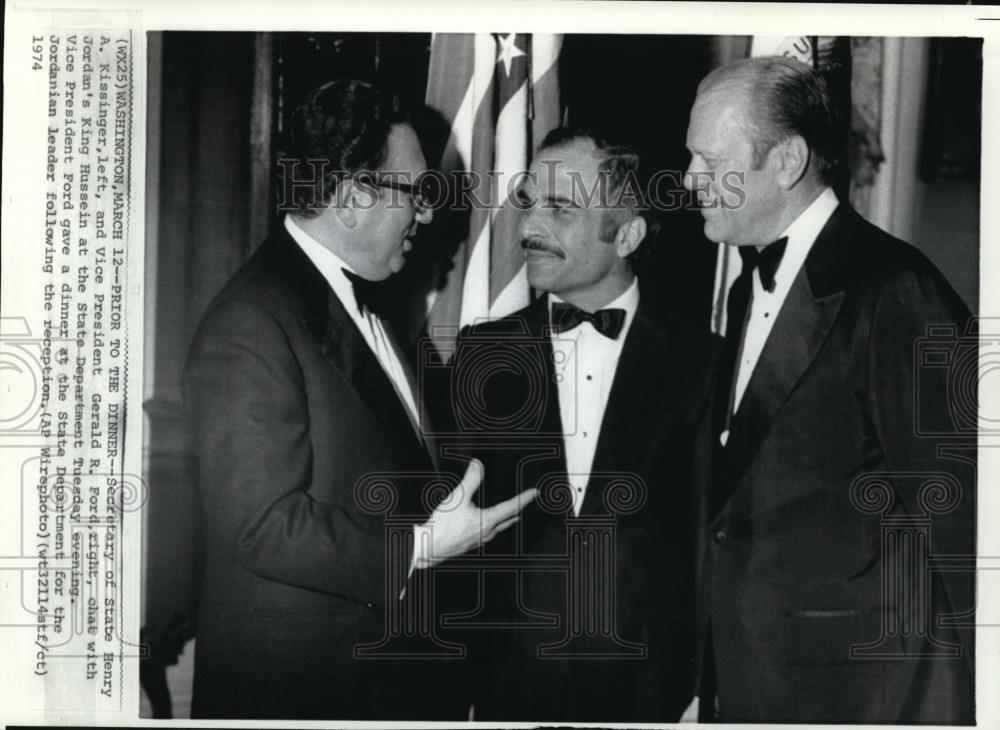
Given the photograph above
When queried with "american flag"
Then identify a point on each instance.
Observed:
(500, 94)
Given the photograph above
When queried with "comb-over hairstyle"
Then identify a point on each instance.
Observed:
(342, 128)
(786, 97)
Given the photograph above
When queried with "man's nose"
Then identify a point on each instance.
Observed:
(424, 215)
(528, 224)
(689, 176)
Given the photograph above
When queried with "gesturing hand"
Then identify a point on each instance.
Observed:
(458, 526)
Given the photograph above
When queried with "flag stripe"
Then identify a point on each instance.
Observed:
(514, 295)
(473, 54)
(544, 86)
(475, 287)
(480, 84)
(448, 50)
(511, 158)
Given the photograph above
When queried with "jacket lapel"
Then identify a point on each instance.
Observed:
(339, 340)
(805, 320)
(542, 463)
(537, 318)
(631, 411)
(346, 349)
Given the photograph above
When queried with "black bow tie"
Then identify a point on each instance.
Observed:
(608, 322)
(766, 261)
(365, 292)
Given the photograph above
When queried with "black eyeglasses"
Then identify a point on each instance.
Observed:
(422, 193)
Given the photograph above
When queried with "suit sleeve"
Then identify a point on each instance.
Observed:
(245, 393)
(913, 416)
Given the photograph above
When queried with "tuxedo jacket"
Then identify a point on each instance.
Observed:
(291, 414)
(846, 462)
(631, 657)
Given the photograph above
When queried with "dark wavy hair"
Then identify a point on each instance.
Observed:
(342, 128)
(786, 97)
(620, 163)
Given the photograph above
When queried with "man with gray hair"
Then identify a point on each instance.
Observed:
(811, 452)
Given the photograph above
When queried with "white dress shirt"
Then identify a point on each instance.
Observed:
(372, 330)
(765, 305)
(585, 364)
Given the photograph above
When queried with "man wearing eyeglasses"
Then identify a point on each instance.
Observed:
(308, 437)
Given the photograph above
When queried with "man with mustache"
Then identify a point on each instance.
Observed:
(821, 487)
(583, 397)
(305, 423)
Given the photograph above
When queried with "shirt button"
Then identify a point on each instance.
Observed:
(721, 537)
(585, 434)
(590, 377)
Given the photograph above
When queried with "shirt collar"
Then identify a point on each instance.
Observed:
(802, 234)
(811, 221)
(330, 265)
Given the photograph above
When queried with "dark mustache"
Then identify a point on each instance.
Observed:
(533, 244)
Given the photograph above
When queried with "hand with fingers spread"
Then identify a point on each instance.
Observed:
(458, 526)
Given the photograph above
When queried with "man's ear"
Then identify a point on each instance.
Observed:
(351, 200)
(793, 156)
(630, 235)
